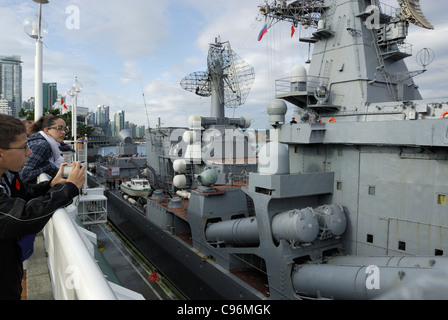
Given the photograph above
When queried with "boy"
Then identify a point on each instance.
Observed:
(25, 209)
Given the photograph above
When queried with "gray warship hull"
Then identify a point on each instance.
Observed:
(177, 260)
(348, 201)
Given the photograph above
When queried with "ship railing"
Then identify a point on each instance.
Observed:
(404, 48)
(70, 248)
(79, 153)
(388, 10)
(74, 272)
(293, 85)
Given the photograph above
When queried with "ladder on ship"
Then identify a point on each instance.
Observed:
(382, 66)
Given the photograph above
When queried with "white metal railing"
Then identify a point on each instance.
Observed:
(74, 272)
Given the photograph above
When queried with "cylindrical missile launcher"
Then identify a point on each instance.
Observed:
(295, 226)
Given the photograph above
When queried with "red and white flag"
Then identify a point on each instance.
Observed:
(63, 104)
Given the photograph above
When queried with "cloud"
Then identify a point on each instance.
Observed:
(116, 28)
(131, 71)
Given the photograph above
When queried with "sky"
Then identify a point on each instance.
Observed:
(131, 55)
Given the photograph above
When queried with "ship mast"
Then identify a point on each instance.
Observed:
(364, 68)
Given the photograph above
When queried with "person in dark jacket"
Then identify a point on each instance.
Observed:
(25, 208)
(48, 133)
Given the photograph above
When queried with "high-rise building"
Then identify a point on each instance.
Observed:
(50, 95)
(119, 121)
(28, 104)
(5, 106)
(102, 115)
(91, 119)
(103, 119)
(140, 132)
(11, 82)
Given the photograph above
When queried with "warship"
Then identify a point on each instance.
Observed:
(348, 201)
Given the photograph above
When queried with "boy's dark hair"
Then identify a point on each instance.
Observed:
(10, 128)
(44, 122)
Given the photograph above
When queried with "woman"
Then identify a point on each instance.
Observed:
(49, 132)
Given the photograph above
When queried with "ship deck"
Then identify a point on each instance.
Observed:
(182, 212)
(130, 269)
(255, 278)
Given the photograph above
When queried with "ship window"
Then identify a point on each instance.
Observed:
(264, 191)
(338, 185)
(441, 199)
(438, 252)
(296, 149)
(340, 152)
(372, 190)
(402, 245)
(369, 238)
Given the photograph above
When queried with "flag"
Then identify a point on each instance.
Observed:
(263, 32)
(63, 104)
(293, 30)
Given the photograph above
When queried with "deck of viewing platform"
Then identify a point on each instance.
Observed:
(36, 284)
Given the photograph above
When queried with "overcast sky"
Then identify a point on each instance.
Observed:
(120, 47)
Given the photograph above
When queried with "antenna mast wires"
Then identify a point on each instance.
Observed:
(144, 102)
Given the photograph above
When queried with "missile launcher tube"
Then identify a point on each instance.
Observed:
(295, 226)
(342, 282)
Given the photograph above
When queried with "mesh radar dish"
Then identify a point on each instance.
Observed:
(197, 82)
(228, 76)
(411, 12)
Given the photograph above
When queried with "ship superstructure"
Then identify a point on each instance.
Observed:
(346, 202)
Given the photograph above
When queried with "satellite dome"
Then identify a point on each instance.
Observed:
(298, 74)
(276, 110)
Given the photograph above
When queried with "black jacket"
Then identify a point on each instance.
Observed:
(25, 211)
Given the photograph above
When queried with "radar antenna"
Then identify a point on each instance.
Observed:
(425, 57)
(228, 76)
(411, 12)
(304, 12)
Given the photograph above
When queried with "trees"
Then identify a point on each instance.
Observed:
(82, 129)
